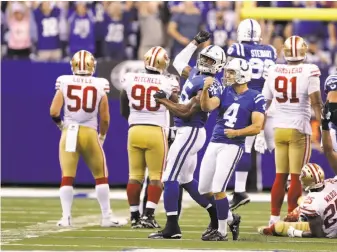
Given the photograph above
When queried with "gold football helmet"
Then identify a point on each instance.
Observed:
(295, 49)
(312, 176)
(156, 59)
(83, 63)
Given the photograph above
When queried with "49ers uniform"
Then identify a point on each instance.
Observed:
(82, 96)
(147, 138)
(289, 87)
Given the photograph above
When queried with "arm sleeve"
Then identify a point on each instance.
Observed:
(308, 208)
(259, 104)
(314, 84)
(182, 59)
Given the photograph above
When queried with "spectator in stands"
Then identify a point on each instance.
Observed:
(315, 54)
(278, 42)
(47, 17)
(183, 26)
(19, 25)
(149, 16)
(81, 29)
(3, 29)
(117, 30)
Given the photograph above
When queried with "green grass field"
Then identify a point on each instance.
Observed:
(29, 224)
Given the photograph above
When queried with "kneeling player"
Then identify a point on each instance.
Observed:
(83, 97)
(318, 208)
(240, 114)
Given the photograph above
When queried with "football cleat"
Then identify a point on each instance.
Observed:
(166, 233)
(269, 231)
(135, 223)
(239, 199)
(113, 222)
(208, 231)
(235, 226)
(149, 222)
(64, 222)
(215, 236)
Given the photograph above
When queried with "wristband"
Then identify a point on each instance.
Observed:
(56, 119)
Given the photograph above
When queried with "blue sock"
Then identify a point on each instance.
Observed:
(245, 162)
(222, 208)
(171, 197)
(192, 189)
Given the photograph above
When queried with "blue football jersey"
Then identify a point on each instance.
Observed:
(193, 84)
(235, 112)
(330, 83)
(261, 57)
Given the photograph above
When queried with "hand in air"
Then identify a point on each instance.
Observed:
(230, 133)
(202, 37)
(208, 82)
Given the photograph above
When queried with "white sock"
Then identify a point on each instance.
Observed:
(151, 205)
(240, 181)
(222, 227)
(273, 219)
(134, 208)
(102, 194)
(230, 217)
(66, 197)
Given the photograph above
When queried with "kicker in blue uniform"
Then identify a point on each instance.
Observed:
(260, 57)
(330, 89)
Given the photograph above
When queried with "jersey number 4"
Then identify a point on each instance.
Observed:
(143, 96)
(284, 89)
(231, 115)
(87, 103)
(329, 221)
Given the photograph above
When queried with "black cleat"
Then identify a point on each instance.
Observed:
(149, 222)
(135, 223)
(235, 226)
(239, 199)
(215, 235)
(208, 231)
(166, 234)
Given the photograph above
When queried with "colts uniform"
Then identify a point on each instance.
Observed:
(289, 87)
(223, 153)
(331, 85)
(190, 136)
(147, 140)
(260, 57)
(82, 96)
(323, 204)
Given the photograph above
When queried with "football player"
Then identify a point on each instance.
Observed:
(318, 208)
(147, 139)
(240, 114)
(191, 134)
(329, 134)
(295, 89)
(260, 57)
(83, 98)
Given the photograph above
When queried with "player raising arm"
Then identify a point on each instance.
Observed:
(83, 98)
(295, 89)
(240, 114)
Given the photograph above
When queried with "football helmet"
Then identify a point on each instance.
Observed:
(83, 63)
(211, 59)
(249, 30)
(295, 49)
(242, 69)
(156, 59)
(312, 176)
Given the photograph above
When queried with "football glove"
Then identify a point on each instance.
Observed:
(160, 94)
(291, 232)
(60, 125)
(202, 37)
(260, 143)
(101, 139)
(326, 116)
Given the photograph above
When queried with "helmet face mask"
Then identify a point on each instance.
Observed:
(211, 59)
(156, 59)
(83, 63)
(312, 176)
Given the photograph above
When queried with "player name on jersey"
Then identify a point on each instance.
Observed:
(286, 70)
(261, 53)
(331, 195)
(147, 80)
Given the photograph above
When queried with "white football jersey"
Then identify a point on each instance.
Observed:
(82, 95)
(140, 88)
(289, 87)
(323, 204)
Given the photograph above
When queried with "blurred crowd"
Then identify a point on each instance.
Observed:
(53, 31)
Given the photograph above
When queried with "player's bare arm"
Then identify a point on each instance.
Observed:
(208, 103)
(124, 105)
(55, 108)
(180, 62)
(104, 116)
(251, 130)
(316, 104)
(316, 229)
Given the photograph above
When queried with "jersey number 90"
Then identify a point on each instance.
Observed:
(142, 96)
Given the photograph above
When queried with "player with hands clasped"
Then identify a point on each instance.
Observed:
(240, 114)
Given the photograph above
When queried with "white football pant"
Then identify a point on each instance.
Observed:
(183, 154)
(217, 166)
(269, 133)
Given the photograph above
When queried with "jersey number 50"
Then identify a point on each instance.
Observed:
(88, 105)
(143, 96)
